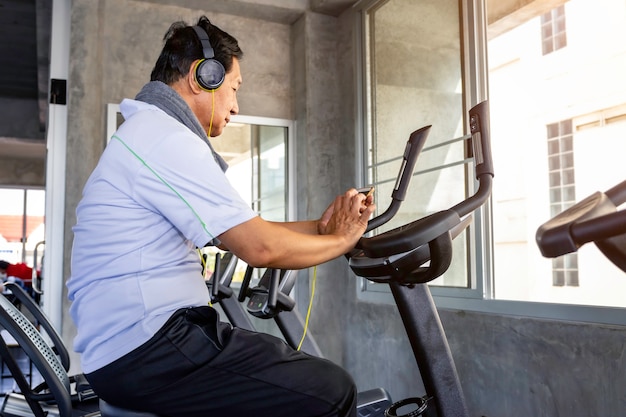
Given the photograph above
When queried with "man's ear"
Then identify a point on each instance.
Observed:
(191, 78)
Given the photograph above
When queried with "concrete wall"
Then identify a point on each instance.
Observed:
(305, 70)
(23, 172)
(322, 131)
(518, 367)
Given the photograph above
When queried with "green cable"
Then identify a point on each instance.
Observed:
(166, 184)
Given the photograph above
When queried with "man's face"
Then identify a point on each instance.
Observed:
(222, 103)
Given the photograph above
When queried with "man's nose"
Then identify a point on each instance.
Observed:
(235, 109)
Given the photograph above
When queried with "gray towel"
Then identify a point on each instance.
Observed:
(164, 97)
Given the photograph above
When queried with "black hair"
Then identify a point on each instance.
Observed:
(182, 47)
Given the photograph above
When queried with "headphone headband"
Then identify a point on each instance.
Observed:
(209, 72)
(203, 37)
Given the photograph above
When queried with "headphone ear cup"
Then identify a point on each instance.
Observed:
(210, 74)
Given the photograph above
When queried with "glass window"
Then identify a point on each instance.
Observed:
(22, 225)
(553, 34)
(258, 165)
(270, 185)
(557, 128)
(414, 79)
(257, 152)
(554, 144)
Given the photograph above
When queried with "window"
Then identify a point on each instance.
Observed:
(258, 154)
(22, 225)
(562, 193)
(553, 30)
(561, 166)
(557, 129)
(569, 98)
(258, 164)
(414, 77)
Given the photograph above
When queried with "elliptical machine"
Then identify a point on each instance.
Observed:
(410, 256)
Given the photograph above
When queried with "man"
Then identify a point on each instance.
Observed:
(147, 339)
(19, 270)
(19, 273)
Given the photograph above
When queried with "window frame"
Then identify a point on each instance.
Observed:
(30, 261)
(290, 154)
(551, 43)
(290, 174)
(480, 297)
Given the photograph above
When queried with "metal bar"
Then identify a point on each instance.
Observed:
(430, 348)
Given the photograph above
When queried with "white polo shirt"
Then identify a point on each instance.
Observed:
(156, 194)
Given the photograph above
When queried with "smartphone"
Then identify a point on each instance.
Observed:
(368, 191)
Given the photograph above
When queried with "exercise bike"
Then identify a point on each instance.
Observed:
(406, 258)
(270, 298)
(594, 219)
(410, 256)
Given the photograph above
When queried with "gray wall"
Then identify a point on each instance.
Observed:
(24, 172)
(516, 366)
(304, 70)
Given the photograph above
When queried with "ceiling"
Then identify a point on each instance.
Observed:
(24, 62)
(18, 50)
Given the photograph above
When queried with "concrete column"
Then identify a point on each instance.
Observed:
(316, 89)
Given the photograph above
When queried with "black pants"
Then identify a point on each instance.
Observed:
(197, 366)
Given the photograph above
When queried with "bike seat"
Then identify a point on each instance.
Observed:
(108, 410)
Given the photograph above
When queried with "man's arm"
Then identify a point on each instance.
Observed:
(308, 227)
(315, 227)
(298, 245)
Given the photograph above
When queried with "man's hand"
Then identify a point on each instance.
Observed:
(297, 245)
(347, 215)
